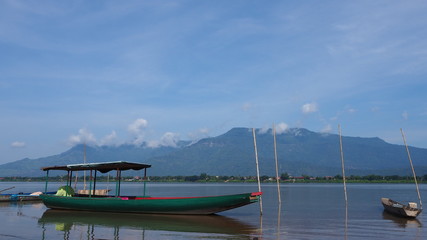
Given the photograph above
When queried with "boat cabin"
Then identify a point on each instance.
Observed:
(102, 167)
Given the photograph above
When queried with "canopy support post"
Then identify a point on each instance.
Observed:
(90, 184)
(47, 179)
(117, 182)
(120, 179)
(70, 178)
(94, 184)
(145, 180)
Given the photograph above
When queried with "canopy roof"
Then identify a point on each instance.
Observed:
(103, 167)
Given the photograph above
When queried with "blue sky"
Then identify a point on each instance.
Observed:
(113, 72)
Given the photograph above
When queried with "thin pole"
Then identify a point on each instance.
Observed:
(47, 179)
(117, 182)
(120, 179)
(6, 189)
(90, 184)
(145, 180)
(94, 183)
(277, 165)
(75, 182)
(71, 178)
(412, 167)
(342, 165)
(108, 182)
(68, 178)
(84, 161)
(257, 170)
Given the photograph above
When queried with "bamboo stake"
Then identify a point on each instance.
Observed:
(342, 166)
(277, 165)
(257, 170)
(6, 189)
(412, 167)
(345, 186)
(84, 161)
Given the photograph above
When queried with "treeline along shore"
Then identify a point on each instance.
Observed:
(284, 178)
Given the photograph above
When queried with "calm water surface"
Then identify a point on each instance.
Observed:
(308, 211)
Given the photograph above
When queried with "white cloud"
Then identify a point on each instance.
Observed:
(327, 129)
(281, 128)
(199, 134)
(351, 110)
(309, 108)
(84, 136)
(18, 144)
(109, 139)
(137, 130)
(137, 126)
(246, 107)
(405, 115)
(263, 130)
(168, 139)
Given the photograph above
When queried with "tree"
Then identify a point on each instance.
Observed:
(264, 177)
(204, 176)
(284, 176)
(191, 178)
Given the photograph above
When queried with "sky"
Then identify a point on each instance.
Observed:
(156, 72)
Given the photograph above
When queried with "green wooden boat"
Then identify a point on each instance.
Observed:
(138, 204)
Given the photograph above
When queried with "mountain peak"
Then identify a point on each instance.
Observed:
(300, 151)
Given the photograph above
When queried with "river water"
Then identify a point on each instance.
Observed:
(307, 211)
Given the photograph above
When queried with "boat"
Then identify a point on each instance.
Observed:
(20, 197)
(66, 199)
(409, 211)
(401, 210)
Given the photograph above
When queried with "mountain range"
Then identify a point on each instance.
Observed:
(299, 151)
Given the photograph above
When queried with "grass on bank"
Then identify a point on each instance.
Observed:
(284, 178)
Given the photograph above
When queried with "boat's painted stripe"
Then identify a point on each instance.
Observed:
(165, 198)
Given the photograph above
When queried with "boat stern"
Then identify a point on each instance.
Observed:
(255, 196)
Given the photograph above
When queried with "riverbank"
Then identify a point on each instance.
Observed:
(233, 179)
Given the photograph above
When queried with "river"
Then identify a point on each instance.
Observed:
(307, 211)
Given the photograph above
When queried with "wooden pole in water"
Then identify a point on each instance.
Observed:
(345, 186)
(6, 189)
(342, 166)
(84, 161)
(277, 165)
(257, 170)
(412, 167)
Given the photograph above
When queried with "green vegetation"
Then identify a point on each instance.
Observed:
(284, 178)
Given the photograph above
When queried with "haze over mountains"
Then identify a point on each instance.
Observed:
(300, 151)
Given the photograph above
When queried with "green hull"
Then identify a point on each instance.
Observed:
(180, 205)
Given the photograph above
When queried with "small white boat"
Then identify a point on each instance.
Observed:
(409, 211)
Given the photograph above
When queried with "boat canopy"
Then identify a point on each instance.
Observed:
(103, 167)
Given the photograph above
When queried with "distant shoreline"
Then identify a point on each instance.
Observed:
(233, 179)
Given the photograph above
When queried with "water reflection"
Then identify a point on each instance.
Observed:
(402, 222)
(65, 221)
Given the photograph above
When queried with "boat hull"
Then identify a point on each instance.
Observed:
(399, 209)
(20, 197)
(180, 205)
